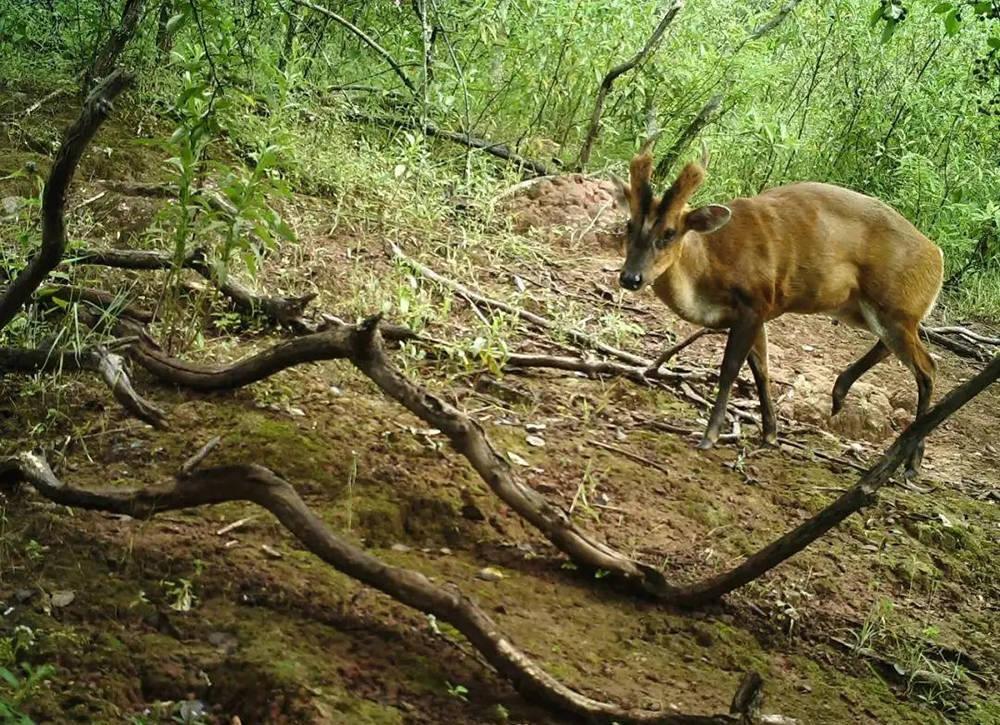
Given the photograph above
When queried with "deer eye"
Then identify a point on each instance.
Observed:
(668, 236)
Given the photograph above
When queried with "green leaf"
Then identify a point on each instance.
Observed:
(888, 30)
(943, 7)
(951, 24)
(994, 43)
(174, 24)
(983, 7)
(9, 677)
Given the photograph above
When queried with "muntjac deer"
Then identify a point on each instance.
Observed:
(807, 248)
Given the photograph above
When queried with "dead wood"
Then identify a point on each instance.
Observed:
(100, 360)
(283, 310)
(112, 50)
(98, 298)
(95, 109)
(261, 486)
(612, 75)
(362, 345)
(498, 149)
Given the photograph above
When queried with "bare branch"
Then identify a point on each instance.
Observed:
(612, 76)
(704, 117)
(667, 354)
(95, 110)
(285, 310)
(261, 486)
(109, 365)
(98, 298)
(767, 27)
(112, 50)
(397, 69)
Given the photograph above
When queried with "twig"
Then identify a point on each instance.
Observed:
(234, 525)
(667, 354)
(396, 68)
(770, 25)
(628, 454)
(965, 332)
(612, 75)
(701, 120)
(107, 364)
(45, 99)
(194, 461)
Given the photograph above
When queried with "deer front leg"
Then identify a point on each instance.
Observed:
(741, 338)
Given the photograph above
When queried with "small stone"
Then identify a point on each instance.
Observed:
(63, 598)
(534, 427)
(401, 548)
(536, 441)
(489, 574)
(445, 550)
(10, 204)
(334, 390)
(296, 412)
(515, 458)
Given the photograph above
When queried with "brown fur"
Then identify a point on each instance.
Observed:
(807, 248)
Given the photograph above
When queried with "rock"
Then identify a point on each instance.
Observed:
(489, 574)
(536, 441)
(10, 205)
(401, 548)
(63, 598)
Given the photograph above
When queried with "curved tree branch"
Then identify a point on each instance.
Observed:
(261, 486)
(361, 344)
(95, 110)
(397, 69)
(612, 76)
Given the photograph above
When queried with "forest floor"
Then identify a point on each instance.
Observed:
(893, 617)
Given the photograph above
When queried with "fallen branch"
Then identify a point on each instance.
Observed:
(577, 336)
(261, 486)
(669, 353)
(613, 74)
(284, 310)
(969, 349)
(362, 345)
(365, 38)
(98, 298)
(95, 109)
(500, 150)
(100, 360)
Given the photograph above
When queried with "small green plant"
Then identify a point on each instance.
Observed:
(180, 593)
(459, 691)
(20, 681)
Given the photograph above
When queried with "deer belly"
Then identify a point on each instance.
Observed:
(682, 297)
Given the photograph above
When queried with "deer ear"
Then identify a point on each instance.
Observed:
(708, 218)
(621, 193)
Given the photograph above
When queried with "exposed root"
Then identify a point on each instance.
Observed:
(100, 360)
(261, 486)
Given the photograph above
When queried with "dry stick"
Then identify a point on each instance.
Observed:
(286, 310)
(99, 360)
(95, 109)
(42, 101)
(261, 486)
(397, 69)
(612, 75)
(667, 354)
(577, 336)
(965, 332)
(969, 350)
(96, 297)
(629, 454)
(500, 150)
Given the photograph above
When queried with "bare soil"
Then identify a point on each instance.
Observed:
(910, 586)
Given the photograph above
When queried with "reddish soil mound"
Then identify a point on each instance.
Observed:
(572, 207)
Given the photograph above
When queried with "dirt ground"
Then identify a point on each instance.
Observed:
(891, 618)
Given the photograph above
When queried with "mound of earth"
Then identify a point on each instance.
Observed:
(572, 208)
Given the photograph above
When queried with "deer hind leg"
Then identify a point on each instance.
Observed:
(758, 366)
(741, 338)
(846, 379)
(901, 337)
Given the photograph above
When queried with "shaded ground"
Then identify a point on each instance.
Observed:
(892, 618)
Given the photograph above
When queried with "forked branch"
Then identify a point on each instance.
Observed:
(100, 360)
(362, 345)
(613, 74)
(96, 108)
(261, 486)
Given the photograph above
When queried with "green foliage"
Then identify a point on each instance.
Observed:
(895, 98)
(20, 680)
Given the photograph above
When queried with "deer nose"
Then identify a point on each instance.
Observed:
(630, 280)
